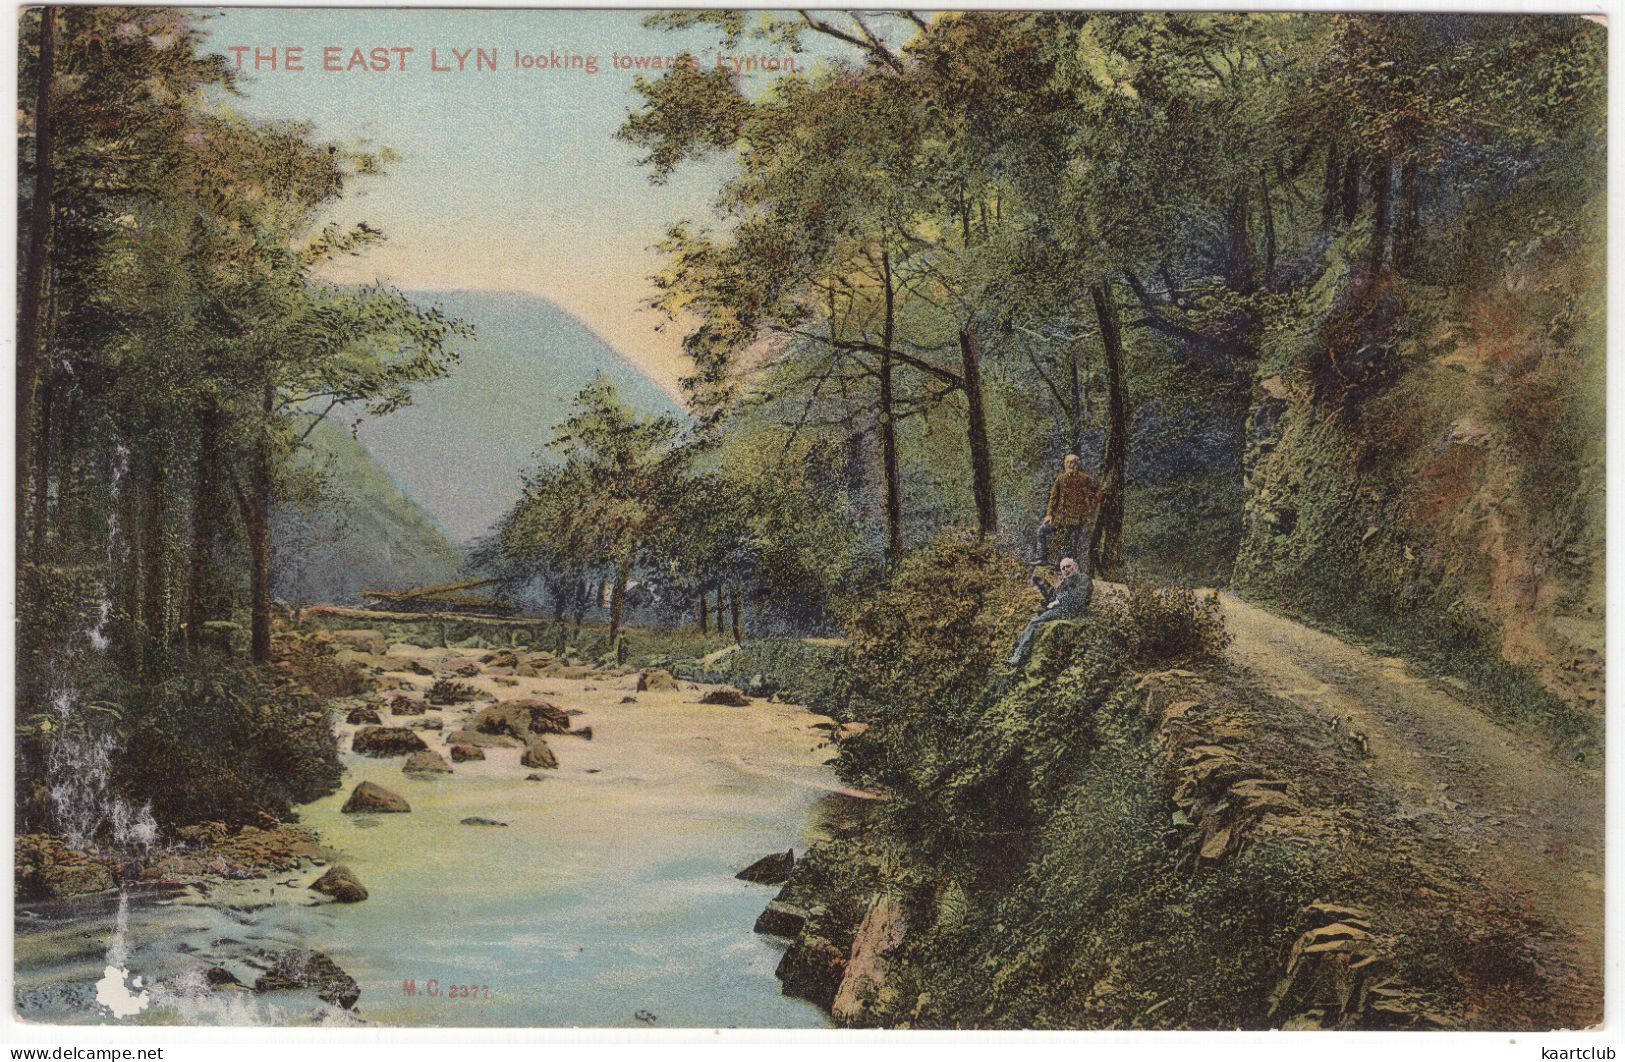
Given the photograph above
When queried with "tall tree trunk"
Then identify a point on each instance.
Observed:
(130, 532)
(42, 466)
(1379, 213)
(701, 613)
(204, 496)
(1106, 539)
(720, 613)
(1269, 232)
(155, 598)
(1075, 411)
(981, 456)
(1332, 189)
(1409, 215)
(733, 602)
(890, 472)
(30, 322)
(1241, 264)
(617, 595)
(258, 523)
(1351, 187)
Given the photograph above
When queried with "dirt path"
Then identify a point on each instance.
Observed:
(1524, 816)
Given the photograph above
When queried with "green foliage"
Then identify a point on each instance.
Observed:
(926, 640)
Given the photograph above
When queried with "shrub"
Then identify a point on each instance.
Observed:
(1159, 625)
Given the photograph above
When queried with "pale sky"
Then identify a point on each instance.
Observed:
(508, 180)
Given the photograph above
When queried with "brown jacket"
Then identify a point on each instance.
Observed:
(1072, 499)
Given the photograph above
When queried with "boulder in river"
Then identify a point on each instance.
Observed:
(582, 732)
(371, 798)
(656, 680)
(310, 969)
(340, 883)
(770, 869)
(480, 820)
(402, 705)
(483, 741)
(726, 695)
(537, 754)
(521, 718)
(812, 969)
(464, 753)
(361, 715)
(427, 761)
(386, 741)
(780, 919)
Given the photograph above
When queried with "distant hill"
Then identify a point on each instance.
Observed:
(460, 447)
(364, 531)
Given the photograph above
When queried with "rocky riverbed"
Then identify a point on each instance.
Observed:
(561, 852)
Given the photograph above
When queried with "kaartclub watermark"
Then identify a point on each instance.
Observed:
(401, 59)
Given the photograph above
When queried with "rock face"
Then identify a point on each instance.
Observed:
(478, 740)
(310, 969)
(426, 762)
(372, 798)
(1340, 975)
(770, 869)
(780, 919)
(882, 930)
(521, 718)
(386, 741)
(464, 753)
(656, 680)
(537, 754)
(726, 695)
(365, 640)
(812, 969)
(340, 883)
(362, 715)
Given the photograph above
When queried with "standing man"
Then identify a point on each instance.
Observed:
(1073, 498)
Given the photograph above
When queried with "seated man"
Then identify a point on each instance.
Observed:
(1068, 600)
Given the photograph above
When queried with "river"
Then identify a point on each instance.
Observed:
(608, 900)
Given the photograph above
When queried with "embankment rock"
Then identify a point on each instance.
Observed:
(372, 798)
(47, 869)
(780, 919)
(464, 753)
(770, 869)
(725, 695)
(812, 969)
(361, 716)
(882, 930)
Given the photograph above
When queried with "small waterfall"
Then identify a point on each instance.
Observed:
(78, 771)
